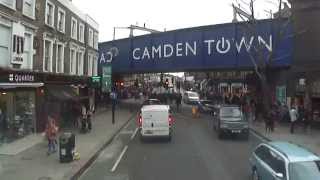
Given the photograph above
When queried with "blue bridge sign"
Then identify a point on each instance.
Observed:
(223, 46)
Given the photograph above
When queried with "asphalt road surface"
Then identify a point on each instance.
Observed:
(195, 153)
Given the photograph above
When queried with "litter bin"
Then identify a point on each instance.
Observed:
(66, 147)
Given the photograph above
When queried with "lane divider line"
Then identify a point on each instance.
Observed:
(119, 158)
(259, 136)
(134, 134)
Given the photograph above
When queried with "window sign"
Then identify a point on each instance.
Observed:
(106, 78)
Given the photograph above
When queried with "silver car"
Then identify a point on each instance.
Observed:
(284, 161)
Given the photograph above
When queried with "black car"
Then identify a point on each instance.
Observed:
(206, 106)
(229, 119)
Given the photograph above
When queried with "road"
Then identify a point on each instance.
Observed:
(195, 152)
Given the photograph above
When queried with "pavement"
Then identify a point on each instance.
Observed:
(195, 152)
(309, 139)
(32, 163)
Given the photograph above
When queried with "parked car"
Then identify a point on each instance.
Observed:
(206, 106)
(229, 119)
(284, 161)
(155, 121)
(190, 97)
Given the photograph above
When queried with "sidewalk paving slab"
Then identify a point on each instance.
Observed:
(309, 139)
(34, 164)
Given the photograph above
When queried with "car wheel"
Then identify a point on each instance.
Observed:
(255, 175)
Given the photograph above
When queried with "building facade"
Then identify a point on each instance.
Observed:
(305, 82)
(48, 52)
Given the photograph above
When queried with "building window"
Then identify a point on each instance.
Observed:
(28, 8)
(5, 44)
(74, 28)
(90, 38)
(95, 66)
(9, 3)
(49, 14)
(47, 61)
(61, 20)
(90, 60)
(59, 58)
(73, 61)
(28, 51)
(81, 32)
(80, 63)
(96, 39)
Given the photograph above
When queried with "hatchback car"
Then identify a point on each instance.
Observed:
(229, 119)
(190, 97)
(284, 161)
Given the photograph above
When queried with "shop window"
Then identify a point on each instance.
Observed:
(17, 115)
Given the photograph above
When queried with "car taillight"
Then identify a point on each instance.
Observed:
(139, 121)
(170, 119)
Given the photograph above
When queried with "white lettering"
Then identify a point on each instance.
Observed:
(179, 49)
(134, 54)
(222, 49)
(193, 50)
(209, 42)
(156, 51)
(102, 59)
(145, 53)
(109, 57)
(243, 41)
(269, 47)
(166, 46)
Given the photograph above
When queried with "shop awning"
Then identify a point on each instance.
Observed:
(17, 85)
(62, 92)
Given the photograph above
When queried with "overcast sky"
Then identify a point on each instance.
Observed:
(160, 14)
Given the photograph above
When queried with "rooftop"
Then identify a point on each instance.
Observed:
(294, 153)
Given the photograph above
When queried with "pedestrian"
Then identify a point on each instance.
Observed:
(178, 101)
(83, 118)
(89, 120)
(113, 97)
(51, 134)
(293, 118)
(306, 120)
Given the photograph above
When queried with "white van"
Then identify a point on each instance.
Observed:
(155, 121)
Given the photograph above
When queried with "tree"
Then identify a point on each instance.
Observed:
(261, 59)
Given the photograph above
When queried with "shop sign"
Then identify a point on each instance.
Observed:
(19, 78)
(95, 81)
(106, 78)
(281, 94)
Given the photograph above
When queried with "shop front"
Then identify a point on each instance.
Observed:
(64, 96)
(18, 99)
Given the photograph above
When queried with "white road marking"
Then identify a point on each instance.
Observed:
(134, 134)
(258, 136)
(119, 158)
